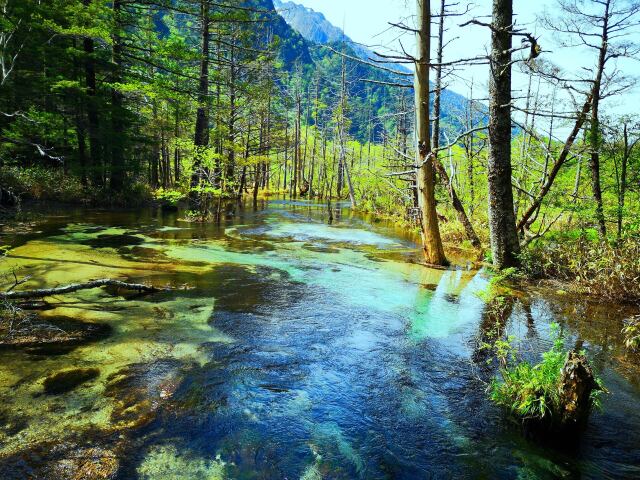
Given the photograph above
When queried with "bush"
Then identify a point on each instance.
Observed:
(632, 333)
(531, 392)
(40, 183)
(169, 197)
(591, 266)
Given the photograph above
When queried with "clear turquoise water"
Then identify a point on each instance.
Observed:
(297, 350)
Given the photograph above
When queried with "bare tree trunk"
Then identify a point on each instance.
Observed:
(594, 135)
(49, 292)
(95, 147)
(448, 183)
(432, 242)
(231, 166)
(505, 244)
(117, 109)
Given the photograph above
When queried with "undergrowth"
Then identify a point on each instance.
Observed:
(43, 184)
(531, 391)
(631, 333)
(599, 268)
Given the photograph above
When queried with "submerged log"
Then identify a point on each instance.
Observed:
(47, 292)
(577, 383)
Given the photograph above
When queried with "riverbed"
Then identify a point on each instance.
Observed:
(288, 347)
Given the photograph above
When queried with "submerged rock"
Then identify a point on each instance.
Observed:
(63, 461)
(88, 464)
(66, 380)
(139, 390)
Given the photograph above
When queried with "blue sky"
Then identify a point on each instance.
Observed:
(366, 21)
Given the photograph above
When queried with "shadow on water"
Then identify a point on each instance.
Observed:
(299, 349)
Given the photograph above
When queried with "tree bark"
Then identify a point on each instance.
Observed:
(117, 109)
(594, 133)
(201, 140)
(505, 244)
(95, 148)
(431, 240)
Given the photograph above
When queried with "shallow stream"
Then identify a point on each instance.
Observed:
(287, 349)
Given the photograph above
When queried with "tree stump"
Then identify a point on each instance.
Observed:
(576, 386)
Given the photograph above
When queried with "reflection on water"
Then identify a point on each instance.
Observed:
(288, 349)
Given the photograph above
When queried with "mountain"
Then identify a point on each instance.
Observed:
(315, 28)
(318, 31)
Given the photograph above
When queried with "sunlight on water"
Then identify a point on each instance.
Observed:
(288, 348)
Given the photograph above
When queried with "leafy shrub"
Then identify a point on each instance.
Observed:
(168, 197)
(632, 333)
(530, 391)
(39, 183)
(134, 194)
(591, 266)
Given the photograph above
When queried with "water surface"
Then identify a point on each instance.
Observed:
(290, 349)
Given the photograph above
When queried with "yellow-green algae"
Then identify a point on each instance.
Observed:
(142, 332)
(166, 462)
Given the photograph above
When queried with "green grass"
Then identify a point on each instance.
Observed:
(530, 392)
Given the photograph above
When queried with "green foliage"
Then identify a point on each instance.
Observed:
(169, 197)
(611, 270)
(631, 333)
(530, 391)
(40, 183)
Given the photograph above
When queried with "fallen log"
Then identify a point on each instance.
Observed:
(48, 292)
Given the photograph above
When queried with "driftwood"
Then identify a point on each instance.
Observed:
(47, 292)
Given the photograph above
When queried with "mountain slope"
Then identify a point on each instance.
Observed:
(314, 27)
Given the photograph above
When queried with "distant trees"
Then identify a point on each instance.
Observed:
(603, 26)
(216, 98)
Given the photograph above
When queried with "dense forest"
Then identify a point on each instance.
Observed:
(117, 102)
(189, 106)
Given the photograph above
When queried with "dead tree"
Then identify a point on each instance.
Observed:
(432, 242)
(604, 26)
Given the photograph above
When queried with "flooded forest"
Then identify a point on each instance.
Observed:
(243, 240)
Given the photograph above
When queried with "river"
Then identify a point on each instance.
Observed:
(287, 348)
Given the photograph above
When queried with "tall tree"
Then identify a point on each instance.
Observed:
(201, 138)
(431, 240)
(505, 245)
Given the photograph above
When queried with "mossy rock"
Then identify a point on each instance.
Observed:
(138, 391)
(66, 380)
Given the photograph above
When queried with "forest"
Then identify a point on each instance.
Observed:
(235, 243)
